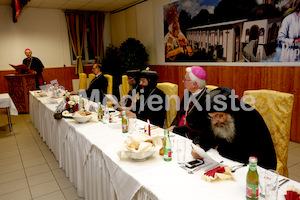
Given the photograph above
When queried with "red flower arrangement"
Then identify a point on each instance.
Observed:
(71, 106)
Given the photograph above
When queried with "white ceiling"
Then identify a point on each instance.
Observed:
(88, 5)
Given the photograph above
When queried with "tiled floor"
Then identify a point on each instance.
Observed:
(29, 170)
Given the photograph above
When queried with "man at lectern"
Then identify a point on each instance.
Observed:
(35, 66)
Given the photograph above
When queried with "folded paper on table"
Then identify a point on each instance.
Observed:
(218, 173)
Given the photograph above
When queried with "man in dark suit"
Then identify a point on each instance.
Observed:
(35, 67)
(98, 86)
(192, 108)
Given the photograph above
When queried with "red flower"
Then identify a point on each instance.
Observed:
(75, 108)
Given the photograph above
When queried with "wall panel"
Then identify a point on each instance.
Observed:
(283, 79)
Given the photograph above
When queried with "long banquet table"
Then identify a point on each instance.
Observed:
(88, 154)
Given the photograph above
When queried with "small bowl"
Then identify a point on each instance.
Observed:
(139, 156)
(82, 119)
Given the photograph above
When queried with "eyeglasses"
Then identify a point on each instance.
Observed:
(216, 117)
(184, 80)
(130, 79)
(143, 80)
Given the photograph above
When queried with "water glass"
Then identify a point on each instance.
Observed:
(181, 151)
(106, 115)
(132, 124)
(268, 185)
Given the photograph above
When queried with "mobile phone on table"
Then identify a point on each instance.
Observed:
(194, 163)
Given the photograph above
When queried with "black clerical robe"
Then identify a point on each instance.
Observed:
(156, 116)
(252, 138)
(35, 64)
(195, 117)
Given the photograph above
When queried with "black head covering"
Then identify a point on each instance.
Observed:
(135, 73)
(151, 76)
(220, 100)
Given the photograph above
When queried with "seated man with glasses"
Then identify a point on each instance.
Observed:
(98, 86)
(150, 101)
(133, 81)
(236, 130)
(192, 108)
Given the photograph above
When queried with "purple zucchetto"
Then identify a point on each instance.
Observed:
(199, 72)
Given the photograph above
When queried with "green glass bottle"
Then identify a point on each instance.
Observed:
(167, 146)
(100, 112)
(252, 180)
(124, 122)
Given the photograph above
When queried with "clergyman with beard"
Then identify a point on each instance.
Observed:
(236, 130)
(150, 102)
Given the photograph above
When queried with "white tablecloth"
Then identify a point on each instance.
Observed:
(88, 154)
(6, 102)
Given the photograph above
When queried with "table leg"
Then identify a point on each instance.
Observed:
(9, 119)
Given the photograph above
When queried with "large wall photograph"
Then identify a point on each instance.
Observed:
(232, 31)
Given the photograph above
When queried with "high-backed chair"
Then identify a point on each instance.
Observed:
(276, 109)
(82, 81)
(125, 85)
(211, 87)
(170, 89)
(110, 83)
(91, 77)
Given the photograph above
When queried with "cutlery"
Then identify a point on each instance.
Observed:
(234, 168)
(284, 181)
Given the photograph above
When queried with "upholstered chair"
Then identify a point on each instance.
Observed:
(110, 83)
(82, 81)
(276, 109)
(211, 87)
(170, 89)
(125, 85)
(91, 77)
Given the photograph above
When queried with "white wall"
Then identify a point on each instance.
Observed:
(44, 31)
(137, 22)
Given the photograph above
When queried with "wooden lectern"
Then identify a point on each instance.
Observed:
(19, 85)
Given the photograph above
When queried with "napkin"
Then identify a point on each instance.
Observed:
(218, 173)
(292, 193)
(142, 139)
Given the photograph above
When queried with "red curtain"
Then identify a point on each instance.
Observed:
(76, 27)
(96, 22)
(17, 6)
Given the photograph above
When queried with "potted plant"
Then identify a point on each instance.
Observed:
(133, 55)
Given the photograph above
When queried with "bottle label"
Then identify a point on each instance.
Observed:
(252, 191)
(125, 128)
(100, 116)
(170, 154)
